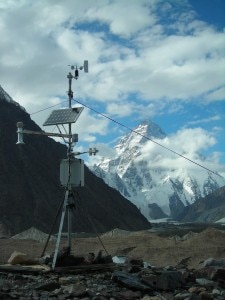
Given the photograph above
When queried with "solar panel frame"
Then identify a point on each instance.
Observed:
(63, 116)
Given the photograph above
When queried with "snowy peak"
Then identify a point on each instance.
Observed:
(139, 136)
(152, 130)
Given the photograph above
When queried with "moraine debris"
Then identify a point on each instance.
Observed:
(92, 282)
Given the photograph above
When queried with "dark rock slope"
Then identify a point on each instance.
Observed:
(30, 191)
(206, 210)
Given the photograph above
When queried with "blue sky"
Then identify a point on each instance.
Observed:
(148, 59)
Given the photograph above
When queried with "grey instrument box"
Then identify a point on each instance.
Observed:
(72, 172)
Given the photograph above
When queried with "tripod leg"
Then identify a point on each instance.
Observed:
(60, 230)
(71, 206)
(52, 227)
(69, 228)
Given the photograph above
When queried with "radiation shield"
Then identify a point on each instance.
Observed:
(72, 172)
(20, 133)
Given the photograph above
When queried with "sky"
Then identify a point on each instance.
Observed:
(152, 60)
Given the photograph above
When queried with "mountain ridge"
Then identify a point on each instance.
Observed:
(209, 209)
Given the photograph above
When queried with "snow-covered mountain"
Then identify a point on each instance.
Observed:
(157, 192)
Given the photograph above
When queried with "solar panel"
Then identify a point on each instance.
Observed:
(63, 116)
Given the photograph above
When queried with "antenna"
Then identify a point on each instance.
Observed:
(71, 169)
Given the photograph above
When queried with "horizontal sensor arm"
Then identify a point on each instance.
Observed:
(21, 131)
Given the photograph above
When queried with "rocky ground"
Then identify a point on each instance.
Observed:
(187, 266)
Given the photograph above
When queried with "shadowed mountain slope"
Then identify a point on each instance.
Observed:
(206, 210)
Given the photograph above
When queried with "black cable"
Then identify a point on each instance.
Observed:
(36, 112)
(147, 138)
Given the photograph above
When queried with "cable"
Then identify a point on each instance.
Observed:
(147, 138)
(91, 222)
(36, 112)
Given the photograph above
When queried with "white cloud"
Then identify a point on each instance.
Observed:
(88, 126)
(217, 94)
(121, 109)
(123, 17)
(184, 65)
(205, 120)
(189, 143)
(104, 151)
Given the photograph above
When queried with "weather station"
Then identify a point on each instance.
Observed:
(71, 168)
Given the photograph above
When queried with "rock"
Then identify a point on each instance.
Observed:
(71, 289)
(129, 295)
(211, 262)
(196, 289)
(205, 296)
(183, 263)
(182, 296)
(17, 258)
(170, 280)
(134, 269)
(219, 276)
(130, 281)
(61, 297)
(152, 298)
(49, 286)
(194, 297)
(119, 259)
(213, 273)
(205, 282)
(167, 280)
(64, 280)
(136, 262)
(100, 259)
(79, 291)
(215, 292)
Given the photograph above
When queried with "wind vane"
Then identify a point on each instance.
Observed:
(71, 168)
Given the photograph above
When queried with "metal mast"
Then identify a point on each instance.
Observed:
(69, 196)
(69, 154)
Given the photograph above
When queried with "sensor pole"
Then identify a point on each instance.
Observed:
(69, 196)
(69, 155)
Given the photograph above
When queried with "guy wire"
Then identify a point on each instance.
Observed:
(85, 212)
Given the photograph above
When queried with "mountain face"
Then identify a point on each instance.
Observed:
(157, 193)
(30, 191)
(206, 210)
